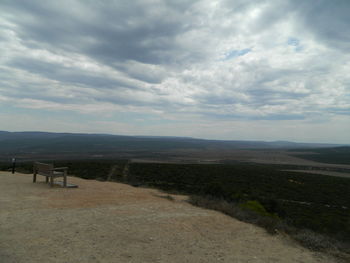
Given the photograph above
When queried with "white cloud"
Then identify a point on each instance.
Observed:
(211, 63)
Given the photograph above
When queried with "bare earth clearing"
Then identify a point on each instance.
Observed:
(111, 222)
(268, 156)
(347, 175)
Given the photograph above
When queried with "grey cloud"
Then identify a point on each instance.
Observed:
(109, 90)
(143, 72)
(67, 75)
(327, 20)
(218, 100)
(142, 76)
(119, 31)
(265, 96)
(169, 53)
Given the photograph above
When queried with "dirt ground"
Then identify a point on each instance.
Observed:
(112, 222)
(267, 156)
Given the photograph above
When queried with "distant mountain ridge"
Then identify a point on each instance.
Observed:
(43, 142)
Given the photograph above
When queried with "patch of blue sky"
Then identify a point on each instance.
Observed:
(292, 41)
(236, 53)
(339, 111)
(295, 42)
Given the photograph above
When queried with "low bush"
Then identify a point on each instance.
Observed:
(250, 212)
(258, 208)
(253, 212)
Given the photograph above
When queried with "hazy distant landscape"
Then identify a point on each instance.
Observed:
(44, 145)
(284, 185)
(31, 146)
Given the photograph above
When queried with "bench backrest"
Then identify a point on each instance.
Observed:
(43, 168)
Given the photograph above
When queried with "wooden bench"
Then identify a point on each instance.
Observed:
(49, 171)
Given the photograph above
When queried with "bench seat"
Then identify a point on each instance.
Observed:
(49, 172)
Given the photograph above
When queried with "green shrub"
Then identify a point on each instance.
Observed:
(255, 206)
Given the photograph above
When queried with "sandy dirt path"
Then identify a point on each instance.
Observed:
(112, 222)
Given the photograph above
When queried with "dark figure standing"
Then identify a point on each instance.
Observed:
(13, 165)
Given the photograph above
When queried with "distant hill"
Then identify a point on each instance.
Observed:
(61, 143)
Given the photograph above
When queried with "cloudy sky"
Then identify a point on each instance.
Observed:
(236, 69)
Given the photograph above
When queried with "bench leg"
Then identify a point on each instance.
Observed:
(34, 177)
(47, 179)
(65, 180)
(51, 181)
